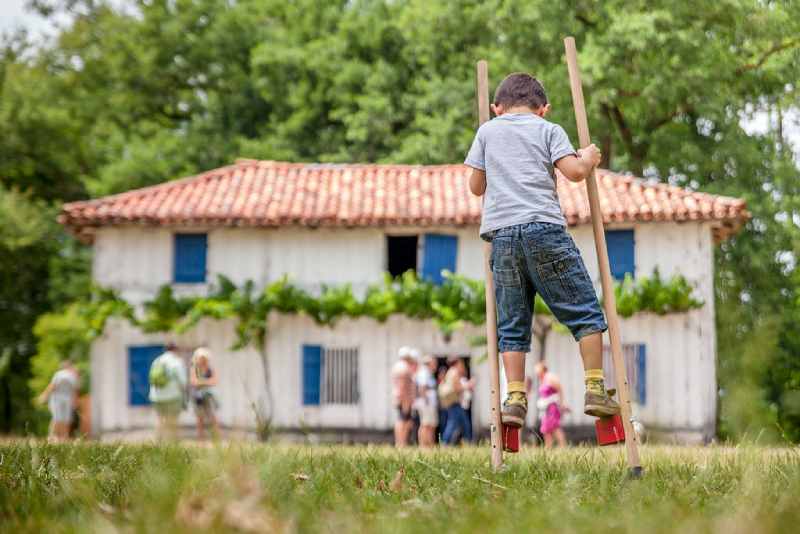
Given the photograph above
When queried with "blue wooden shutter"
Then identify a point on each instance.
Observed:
(438, 252)
(312, 372)
(139, 360)
(620, 252)
(641, 374)
(190, 258)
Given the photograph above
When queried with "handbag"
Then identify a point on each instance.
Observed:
(447, 392)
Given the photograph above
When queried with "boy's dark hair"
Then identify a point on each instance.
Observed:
(169, 346)
(520, 89)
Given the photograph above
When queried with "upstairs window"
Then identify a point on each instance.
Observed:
(438, 252)
(402, 253)
(619, 244)
(189, 262)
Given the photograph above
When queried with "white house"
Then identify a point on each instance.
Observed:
(334, 224)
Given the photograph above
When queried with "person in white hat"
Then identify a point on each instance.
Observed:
(403, 394)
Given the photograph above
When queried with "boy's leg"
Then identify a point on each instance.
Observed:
(561, 278)
(591, 348)
(515, 407)
(597, 401)
(515, 296)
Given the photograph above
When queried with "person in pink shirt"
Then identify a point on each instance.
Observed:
(550, 405)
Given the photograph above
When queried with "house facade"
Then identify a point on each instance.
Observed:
(338, 224)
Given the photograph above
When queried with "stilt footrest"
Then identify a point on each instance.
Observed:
(610, 430)
(510, 438)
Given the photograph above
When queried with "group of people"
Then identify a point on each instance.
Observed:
(168, 380)
(436, 398)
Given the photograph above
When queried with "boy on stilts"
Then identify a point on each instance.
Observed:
(513, 160)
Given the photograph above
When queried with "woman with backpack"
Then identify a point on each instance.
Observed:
(167, 386)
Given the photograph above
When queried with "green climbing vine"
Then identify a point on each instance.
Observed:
(449, 306)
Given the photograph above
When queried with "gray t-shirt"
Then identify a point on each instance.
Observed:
(518, 152)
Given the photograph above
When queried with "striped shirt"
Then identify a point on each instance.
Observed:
(403, 390)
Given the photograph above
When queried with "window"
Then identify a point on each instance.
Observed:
(139, 359)
(402, 253)
(438, 253)
(619, 244)
(330, 375)
(635, 357)
(190, 258)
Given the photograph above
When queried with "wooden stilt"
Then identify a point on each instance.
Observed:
(631, 444)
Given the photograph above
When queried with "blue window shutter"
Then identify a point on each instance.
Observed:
(620, 252)
(139, 359)
(190, 258)
(312, 371)
(641, 373)
(438, 252)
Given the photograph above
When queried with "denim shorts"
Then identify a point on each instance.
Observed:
(540, 258)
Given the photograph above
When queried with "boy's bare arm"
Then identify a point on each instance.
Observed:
(477, 182)
(578, 168)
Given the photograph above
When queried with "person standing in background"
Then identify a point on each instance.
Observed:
(456, 416)
(403, 394)
(61, 396)
(427, 401)
(550, 405)
(441, 374)
(202, 378)
(167, 387)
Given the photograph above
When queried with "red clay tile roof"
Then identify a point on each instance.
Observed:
(269, 194)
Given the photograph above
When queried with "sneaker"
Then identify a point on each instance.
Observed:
(514, 409)
(600, 404)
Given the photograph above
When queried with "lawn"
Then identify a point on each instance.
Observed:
(280, 488)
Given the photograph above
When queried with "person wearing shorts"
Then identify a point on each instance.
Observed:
(403, 394)
(427, 401)
(61, 397)
(168, 399)
(202, 378)
(513, 158)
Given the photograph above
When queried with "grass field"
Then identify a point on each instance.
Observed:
(279, 488)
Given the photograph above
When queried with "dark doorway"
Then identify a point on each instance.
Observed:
(402, 253)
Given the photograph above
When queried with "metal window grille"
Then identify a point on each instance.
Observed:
(339, 376)
(633, 369)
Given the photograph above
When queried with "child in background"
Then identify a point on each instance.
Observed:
(513, 160)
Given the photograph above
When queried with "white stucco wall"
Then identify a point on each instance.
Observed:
(239, 376)
(681, 348)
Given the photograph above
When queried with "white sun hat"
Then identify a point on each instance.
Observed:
(201, 352)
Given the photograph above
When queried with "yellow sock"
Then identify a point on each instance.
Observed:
(516, 386)
(593, 378)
